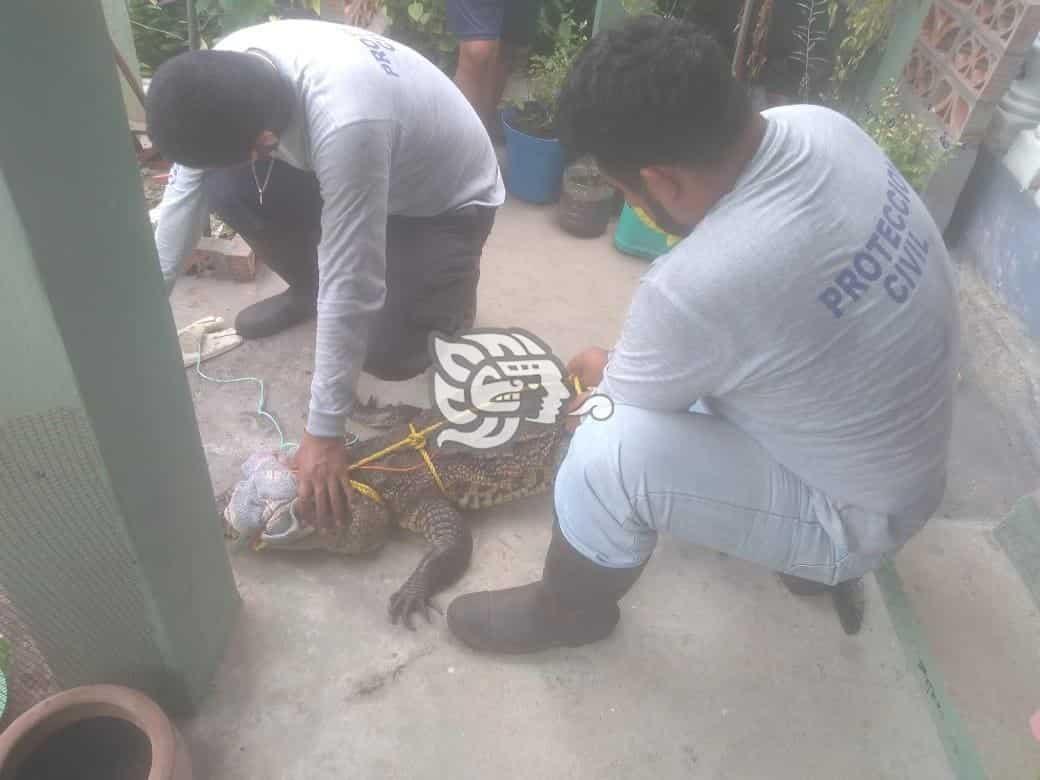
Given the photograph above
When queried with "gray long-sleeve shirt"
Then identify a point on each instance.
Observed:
(385, 132)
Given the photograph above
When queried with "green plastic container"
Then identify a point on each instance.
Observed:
(636, 235)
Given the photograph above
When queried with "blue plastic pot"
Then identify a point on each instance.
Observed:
(534, 165)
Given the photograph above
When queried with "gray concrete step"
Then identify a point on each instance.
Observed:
(978, 624)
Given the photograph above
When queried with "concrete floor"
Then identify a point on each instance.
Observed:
(715, 671)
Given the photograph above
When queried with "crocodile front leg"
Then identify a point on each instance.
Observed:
(452, 544)
(372, 415)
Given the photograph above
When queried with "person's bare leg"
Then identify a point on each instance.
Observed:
(503, 67)
(476, 74)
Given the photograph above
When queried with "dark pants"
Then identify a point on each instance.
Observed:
(511, 21)
(432, 264)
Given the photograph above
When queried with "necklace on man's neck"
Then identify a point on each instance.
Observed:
(270, 165)
(260, 188)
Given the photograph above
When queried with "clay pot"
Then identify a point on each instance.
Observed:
(587, 201)
(94, 731)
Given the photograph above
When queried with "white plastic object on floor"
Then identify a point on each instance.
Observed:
(207, 336)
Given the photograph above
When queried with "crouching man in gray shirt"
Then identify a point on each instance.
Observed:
(783, 383)
(359, 173)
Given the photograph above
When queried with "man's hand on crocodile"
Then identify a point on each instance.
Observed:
(321, 467)
(588, 366)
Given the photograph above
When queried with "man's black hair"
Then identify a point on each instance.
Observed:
(651, 91)
(205, 109)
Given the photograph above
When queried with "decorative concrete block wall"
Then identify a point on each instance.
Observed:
(966, 55)
(974, 69)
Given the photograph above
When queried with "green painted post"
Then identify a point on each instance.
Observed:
(910, 15)
(110, 546)
(608, 13)
(193, 25)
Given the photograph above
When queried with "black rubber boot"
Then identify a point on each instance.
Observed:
(850, 602)
(802, 587)
(274, 314)
(575, 603)
(849, 598)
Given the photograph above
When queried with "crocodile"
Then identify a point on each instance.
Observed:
(403, 490)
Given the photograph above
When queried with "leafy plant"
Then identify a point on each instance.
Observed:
(867, 24)
(552, 13)
(160, 30)
(908, 140)
(420, 24)
(546, 75)
(811, 35)
(160, 27)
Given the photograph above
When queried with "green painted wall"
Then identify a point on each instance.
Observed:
(111, 547)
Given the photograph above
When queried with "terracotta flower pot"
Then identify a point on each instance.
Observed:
(94, 731)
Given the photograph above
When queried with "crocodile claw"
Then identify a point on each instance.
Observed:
(372, 415)
(408, 601)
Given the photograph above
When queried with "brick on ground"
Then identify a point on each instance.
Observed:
(229, 257)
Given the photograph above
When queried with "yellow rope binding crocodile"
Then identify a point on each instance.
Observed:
(417, 441)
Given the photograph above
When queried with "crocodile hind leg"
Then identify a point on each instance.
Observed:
(452, 544)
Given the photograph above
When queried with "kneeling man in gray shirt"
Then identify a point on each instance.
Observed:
(783, 383)
(360, 174)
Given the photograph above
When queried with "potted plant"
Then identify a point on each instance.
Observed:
(587, 200)
(534, 154)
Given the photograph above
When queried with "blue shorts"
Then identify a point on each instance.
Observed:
(510, 21)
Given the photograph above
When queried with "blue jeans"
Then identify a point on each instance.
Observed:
(700, 478)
